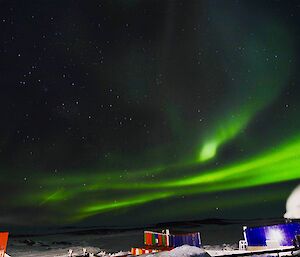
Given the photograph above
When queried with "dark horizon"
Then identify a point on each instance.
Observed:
(190, 226)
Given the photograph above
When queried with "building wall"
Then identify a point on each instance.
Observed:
(283, 234)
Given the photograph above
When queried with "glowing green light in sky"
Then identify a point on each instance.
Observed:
(97, 191)
(279, 165)
(264, 83)
(273, 166)
(97, 207)
(208, 151)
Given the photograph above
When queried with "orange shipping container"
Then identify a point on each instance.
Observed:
(3, 243)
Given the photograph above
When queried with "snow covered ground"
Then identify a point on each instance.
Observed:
(29, 248)
(61, 252)
(182, 251)
(59, 244)
(105, 243)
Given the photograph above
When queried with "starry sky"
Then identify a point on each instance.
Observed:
(117, 113)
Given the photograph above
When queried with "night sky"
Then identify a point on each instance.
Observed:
(132, 112)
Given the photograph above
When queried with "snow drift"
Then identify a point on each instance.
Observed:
(293, 205)
(182, 251)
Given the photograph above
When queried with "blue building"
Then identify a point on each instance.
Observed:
(281, 235)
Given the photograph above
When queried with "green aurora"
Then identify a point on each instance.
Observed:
(212, 112)
(273, 166)
(264, 85)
